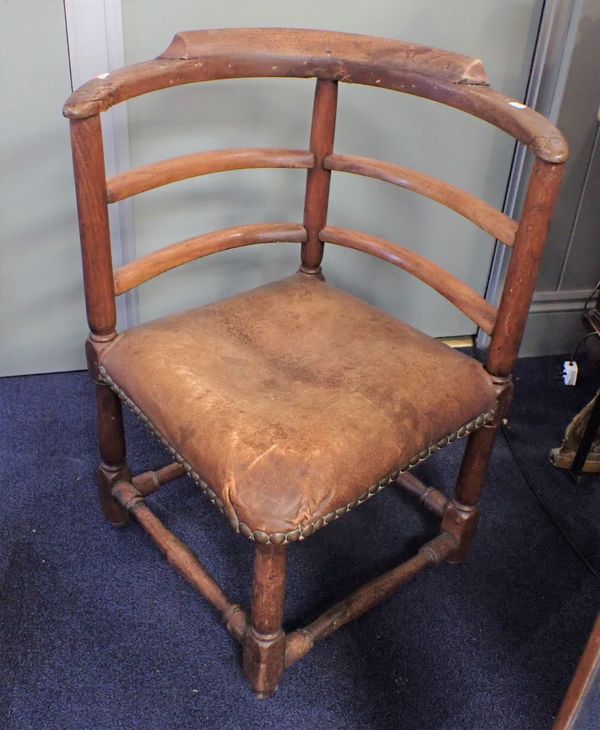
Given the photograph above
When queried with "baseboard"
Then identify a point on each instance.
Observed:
(568, 300)
(458, 342)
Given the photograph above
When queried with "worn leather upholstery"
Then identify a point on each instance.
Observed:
(296, 401)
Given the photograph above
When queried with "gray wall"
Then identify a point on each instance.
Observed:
(406, 130)
(571, 265)
(42, 321)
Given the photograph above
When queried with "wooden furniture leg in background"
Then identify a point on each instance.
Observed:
(582, 689)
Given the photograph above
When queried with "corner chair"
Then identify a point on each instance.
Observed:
(295, 403)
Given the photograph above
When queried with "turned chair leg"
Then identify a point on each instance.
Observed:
(462, 515)
(264, 644)
(113, 467)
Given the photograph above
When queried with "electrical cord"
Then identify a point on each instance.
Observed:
(581, 341)
(586, 306)
(545, 508)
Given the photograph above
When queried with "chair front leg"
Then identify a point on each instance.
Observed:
(462, 515)
(264, 644)
(473, 469)
(113, 467)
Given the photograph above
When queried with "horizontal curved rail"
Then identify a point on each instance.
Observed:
(147, 267)
(303, 43)
(164, 172)
(455, 291)
(483, 214)
(448, 78)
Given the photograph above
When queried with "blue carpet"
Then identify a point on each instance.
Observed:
(97, 631)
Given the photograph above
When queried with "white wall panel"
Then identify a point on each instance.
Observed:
(42, 319)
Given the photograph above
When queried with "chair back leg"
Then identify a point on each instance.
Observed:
(113, 466)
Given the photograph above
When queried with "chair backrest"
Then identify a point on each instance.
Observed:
(449, 78)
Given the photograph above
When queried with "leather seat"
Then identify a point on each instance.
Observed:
(294, 402)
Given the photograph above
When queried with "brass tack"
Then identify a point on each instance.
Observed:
(308, 530)
(341, 511)
(319, 523)
(363, 497)
(461, 431)
(414, 461)
(261, 537)
(235, 525)
(443, 442)
(424, 454)
(218, 502)
(479, 421)
(210, 493)
(394, 475)
(329, 517)
(245, 530)
(352, 504)
(277, 538)
(293, 535)
(451, 437)
(195, 476)
(373, 489)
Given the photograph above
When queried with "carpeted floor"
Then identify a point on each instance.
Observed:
(97, 631)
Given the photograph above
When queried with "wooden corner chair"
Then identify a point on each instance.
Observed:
(294, 403)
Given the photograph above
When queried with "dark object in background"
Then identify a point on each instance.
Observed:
(580, 449)
(582, 439)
